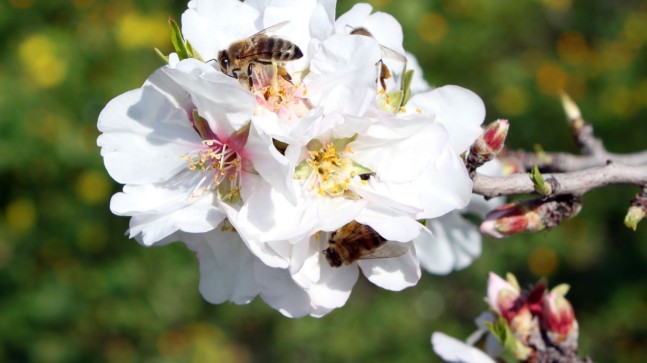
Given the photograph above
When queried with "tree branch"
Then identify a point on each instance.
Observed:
(575, 183)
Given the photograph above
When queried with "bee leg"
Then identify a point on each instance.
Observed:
(284, 73)
(249, 75)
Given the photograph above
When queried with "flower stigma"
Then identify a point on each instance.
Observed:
(219, 160)
(329, 170)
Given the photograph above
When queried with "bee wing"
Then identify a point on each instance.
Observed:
(392, 54)
(387, 250)
(271, 29)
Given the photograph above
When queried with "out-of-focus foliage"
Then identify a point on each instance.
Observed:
(74, 289)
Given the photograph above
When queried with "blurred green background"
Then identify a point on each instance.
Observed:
(74, 289)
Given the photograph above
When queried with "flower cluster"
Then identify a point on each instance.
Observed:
(291, 150)
(534, 325)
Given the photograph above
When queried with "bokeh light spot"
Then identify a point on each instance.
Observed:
(135, 30)
(432, 27)
(93, 187)
(542, 261)
(511, 100)
(21, 214)
(572, 47)
(42, 60)
(551, 78)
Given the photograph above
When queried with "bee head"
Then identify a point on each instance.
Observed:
(223, 61)
(333, 257)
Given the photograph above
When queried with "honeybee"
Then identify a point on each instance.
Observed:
(356, 241)
(237, 60)
(385, 73)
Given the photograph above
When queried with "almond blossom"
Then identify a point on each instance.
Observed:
(256, 174)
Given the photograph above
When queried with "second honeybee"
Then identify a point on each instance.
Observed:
(238, 59)
(356, 241)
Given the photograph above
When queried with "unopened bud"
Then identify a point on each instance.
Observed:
(491, 141)
(495, 135)
(570, 108)
(487, 146)
(634, 216)
(637, 211)
(559, 319)
(532, 215)
(510, 219)
(502, 295)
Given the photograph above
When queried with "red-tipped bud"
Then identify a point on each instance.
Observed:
(495, 135)
(510, 219)
(559, 319)
(530, 215)
(488, 145)
(502, 296)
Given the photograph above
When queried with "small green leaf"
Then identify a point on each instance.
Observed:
(161, 55)
(406, 86)
(539, 183)
(178, 40)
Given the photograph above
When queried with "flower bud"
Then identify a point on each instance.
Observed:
(634, 216)
(489, 144)
(510, 219)
(559, 319)
(502, 296)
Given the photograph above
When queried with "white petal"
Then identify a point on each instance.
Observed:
(460, 110)
(455, 243)
(328, 287)
(456, 351)
(219, 99)
(342, 74)
(212, 26)
(280, 292)
(145, 134)
(200, 216)
(226, 268)
(384, 27)
(274, 167)
(395, 273)
(390, 225)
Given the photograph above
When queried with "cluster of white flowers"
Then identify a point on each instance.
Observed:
(256, 174)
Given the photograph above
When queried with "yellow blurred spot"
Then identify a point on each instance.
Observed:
(572, 47)
(93, 187)
(135, 30)
(43, 61)
(210, 344)
(21, 214)
(551, 78)
(432, 27)
(557, 5)
(542, 261)
(511, 101)
(21, 4)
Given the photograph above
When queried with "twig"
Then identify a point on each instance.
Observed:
(565, 162)
(575, 183)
